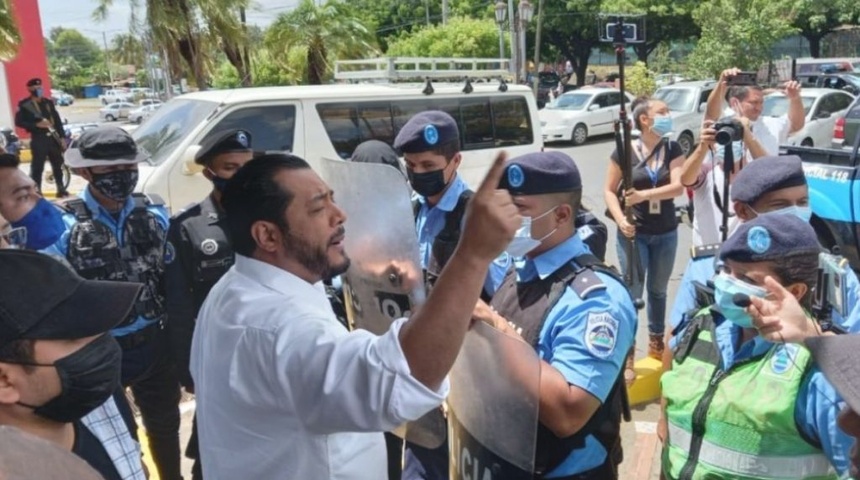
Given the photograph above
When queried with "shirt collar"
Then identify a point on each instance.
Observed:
(551, 260)
(95, 206)
(727, 338)
(449, 199)
(278, 279)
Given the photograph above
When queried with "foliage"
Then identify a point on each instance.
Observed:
(460, 37)
(666, 21)
(71, 43)
(127, 49)
(571, 27)
(815, 19)
(265, 70)
(9, 35)
(639, 81)
(738, 33)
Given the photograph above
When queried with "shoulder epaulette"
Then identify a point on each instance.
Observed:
(704, 251)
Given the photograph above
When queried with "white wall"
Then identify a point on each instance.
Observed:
(7, 108)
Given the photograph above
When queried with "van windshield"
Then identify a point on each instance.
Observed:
(168, 126)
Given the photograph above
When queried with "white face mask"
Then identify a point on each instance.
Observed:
(523, 243)
(803, 213)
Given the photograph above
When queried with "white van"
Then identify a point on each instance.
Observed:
(329, 121)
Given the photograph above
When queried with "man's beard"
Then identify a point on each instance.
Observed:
(315, 258)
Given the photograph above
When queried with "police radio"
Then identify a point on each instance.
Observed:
(831, 290)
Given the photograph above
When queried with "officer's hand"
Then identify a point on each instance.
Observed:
(728, 74)
(792, 89)
(43, 124)
(485, 313)
(779, 318)
(491, 217)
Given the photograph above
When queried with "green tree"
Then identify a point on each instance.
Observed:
(665, 21)
(327, 31)
(72, 43)
(816, 19)
(9, 35)
(639, 81)
(127, 49)
(738, 33)
(461, 37)
(571, 28)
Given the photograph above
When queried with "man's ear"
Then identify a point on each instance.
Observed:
(83, 173)
(744, 211)
(798, 290)
(564, 214)
(9, 394)
(267, 236)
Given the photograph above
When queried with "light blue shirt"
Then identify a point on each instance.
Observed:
(567, 339)
(61, 248)
(817, 404)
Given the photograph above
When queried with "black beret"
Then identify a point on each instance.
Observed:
(765, 175)
(34, 82)
(229, 141)
(770, 237)
(427, 131)
(541, 173)
(375, 151)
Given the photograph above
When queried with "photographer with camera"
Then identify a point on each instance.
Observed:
(746, 99)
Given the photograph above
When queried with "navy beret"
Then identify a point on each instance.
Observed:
(226, 142)
(541, 173)
(770, 237)
(427, 131)
(375, 151)
(765, 175)
(34, 82)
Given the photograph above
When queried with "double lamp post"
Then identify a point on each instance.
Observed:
(520, 18)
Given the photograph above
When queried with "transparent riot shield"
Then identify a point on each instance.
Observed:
(493, 407)
(384, 281)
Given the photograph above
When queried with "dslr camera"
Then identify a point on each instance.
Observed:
(729, 129)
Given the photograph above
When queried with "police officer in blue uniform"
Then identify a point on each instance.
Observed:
(738, 341)
(203, 254)
(115, 234)
(577, 314)
(767, 186)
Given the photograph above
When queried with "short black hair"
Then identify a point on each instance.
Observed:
(7, 160)
(799, 268)
(741, 91)
(18, 351)
(253, 195)
(448, 150)
(639, 107)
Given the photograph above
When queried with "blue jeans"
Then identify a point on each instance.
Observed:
(656, 260)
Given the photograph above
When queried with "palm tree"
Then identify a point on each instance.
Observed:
(128, 50)
(9, 35)
(326, 30)
(225, 20)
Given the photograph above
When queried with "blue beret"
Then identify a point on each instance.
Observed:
(765, 175)
(229, 141)
(427, 131)
(540, 173)
(770, 237)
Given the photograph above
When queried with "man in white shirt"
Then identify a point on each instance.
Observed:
(283, 390)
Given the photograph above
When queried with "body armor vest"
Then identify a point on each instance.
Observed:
(212, 253)
(96, 254)
(526, 306)
(446, 241)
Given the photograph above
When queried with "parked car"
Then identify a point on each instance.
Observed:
(822, 107)
(74, 130)
(687, 103)
(849, 82)
(62, 98)
(11, 142)
(115, 111)
(664, 79)
(116, 95)
(149, 101)
(574, 116)
(140, 114)
(847, 126)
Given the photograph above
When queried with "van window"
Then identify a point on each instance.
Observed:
(484, 122)
(272, 127)
(170, 125)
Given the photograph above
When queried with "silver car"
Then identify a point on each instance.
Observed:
(115, 111)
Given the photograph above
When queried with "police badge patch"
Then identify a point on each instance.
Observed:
(209, 246)
(601, 332)
(169, 253)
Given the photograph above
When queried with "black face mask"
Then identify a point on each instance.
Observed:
(427, 184)
(88, 378)
(116, 185)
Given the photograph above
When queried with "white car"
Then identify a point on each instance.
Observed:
(687, 104)
(115, 111)
(576, 115)
(822, 106)
(140, 114)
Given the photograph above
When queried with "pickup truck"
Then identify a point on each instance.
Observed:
(833, 176)
(114, 96)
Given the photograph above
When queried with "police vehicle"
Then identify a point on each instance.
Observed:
(329, 121)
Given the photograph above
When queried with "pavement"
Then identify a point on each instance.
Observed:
(639, 438)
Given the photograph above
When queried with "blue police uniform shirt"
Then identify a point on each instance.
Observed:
(431, 220)
(564, 342)
(61, 248)
(817, 404)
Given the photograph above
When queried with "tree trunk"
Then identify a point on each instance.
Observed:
(316, 63)
(814, 44)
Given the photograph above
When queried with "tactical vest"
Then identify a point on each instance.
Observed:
(446, 241)
(526, 306)
(212, 255)
(96, 254)
(737, 424)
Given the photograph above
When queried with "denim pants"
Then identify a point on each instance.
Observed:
(656, 260)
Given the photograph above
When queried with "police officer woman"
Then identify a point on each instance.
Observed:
(203, 254)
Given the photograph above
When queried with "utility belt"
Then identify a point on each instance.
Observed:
(141, 337)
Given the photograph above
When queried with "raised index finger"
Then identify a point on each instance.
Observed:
(494, 176)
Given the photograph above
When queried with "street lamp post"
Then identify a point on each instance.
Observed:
(501, 14)
(525, 13)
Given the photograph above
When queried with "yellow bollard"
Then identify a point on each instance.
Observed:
(147, 455)
(646, 388)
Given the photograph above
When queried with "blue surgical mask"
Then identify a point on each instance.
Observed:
(38, 92)
(523, 243)
(44, 225)
(737, 151)
(662, 125)
(803, 213)
(725, 289)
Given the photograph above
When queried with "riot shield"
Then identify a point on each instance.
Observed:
(493, 407)
(384, 281)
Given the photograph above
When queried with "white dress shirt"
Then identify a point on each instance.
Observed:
(285, 392)
(771, 132)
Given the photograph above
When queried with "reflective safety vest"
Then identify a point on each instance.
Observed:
(737, 424)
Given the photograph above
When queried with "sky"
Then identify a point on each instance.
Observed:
(77, 14)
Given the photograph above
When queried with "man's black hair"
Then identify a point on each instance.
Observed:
(7, 160)
(253, 195)
(741, 91)
(18, 351)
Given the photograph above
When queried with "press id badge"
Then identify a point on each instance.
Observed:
(654, 207)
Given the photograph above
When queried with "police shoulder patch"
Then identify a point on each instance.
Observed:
(601, 333)
(783, 358)
(169, 253)
(584, 232)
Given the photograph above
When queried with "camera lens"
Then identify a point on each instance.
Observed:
(724, 135)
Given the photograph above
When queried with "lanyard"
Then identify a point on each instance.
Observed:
(658, 162)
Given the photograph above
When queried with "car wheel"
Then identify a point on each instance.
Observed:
(109, 118)
(807, 142)
(579, 135)
(685, 140)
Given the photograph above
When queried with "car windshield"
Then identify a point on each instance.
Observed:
(678, 99)
(570, 101)
(169, 125)
(777, 105)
